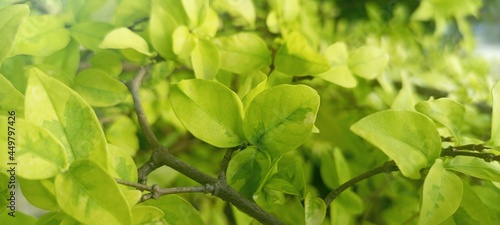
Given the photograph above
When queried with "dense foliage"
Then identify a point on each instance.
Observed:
(245, 112)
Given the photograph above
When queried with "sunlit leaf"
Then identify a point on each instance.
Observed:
(108, 62)
(90, 34)
(205, 60)
(43, 156)
(11, 18)
(123, 38)
(368, 61)
(10, 98)
(279, 119)
(66, 59)
(247, 170)
(409, 138)
(55, 107)
(446, 112)
(121, 165)
(339, 73)
(40, 36)
(91, 196)
(40, 193)
(183, 42)
(99, 88)
(495, 120)
(475, 167)
(471, 211)
(242, 53)
(216, 122)
(295, 57)
(142, 214)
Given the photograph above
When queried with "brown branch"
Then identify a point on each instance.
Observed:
(156, 192)
(387, 167)
(225, 163)
(134, 86)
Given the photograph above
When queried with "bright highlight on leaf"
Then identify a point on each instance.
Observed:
(99, 89)
(11, 18)
(409, 138)
(205, 60)
(442, 195)
(295, 57)
(55, 107)
(210, 111)
(339, 73)
(91, 196)
(446, 112)
(280, 118)
(315, 210)
(368, 61)
(123, 38)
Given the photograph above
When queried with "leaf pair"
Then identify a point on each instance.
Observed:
(278, 119)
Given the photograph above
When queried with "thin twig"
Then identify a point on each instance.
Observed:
(134, 86)
(156, 192)
(225, 163)
(388, 166)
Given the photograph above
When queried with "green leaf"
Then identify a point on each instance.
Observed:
(60, 110)
(475, 167)
(289, 179)
(129, 11)
(409, 138)
(218, 123)
(349, 202)
(108, 62)
(123, 38)
(495, 120)
(90, 34)
(121, 165)
(66, 59)
(40, 36)
(91, 196)
(10, 98)
(196, 11)
(295, 57)
(20, 218)
(315, 210)
(52, 218)
(143, 215)
(442, 195)
(446, 112)
(40, 193)
(247, 169)
(183, 42)
(45, 154)
(11, 18)
(368, 61)
(99, 89)
(280, 118)
(166, 16)
(339, 73)
(242, 53)
(4, 191)
(205, 60)
(241, 8)
(177, 210)
(471, 211)
(122, 133)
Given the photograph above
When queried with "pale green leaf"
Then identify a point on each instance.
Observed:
(4, 191)
(121, 165)
(166, 16)
(130, 11)
(289, 179)
(108, 62)
(350, 202)
(368, 61)
(40, 36)
(196, 11)
(471, 211)
(339, 73)
(122, 133)
(409, 138)
(177, 210)
(315, 210)
(19, 218)
(280, 119)
(495, 120)
(11, 18)
(442, 195)
(406, 98)
(10, 98)
(66, 59)
(60, 110)
(123, 38)
(244, 9)
(295, 57)
(145, 215)
(183, 42)
(209, 26)
(51, 217)
(242, 53)
(205, 60)
(90, 34)
(475, 167)
(247, 169)
(446, 112)
(218, 123)
(91, 196)
(99, 89)
(43, 156)
(40, 193)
